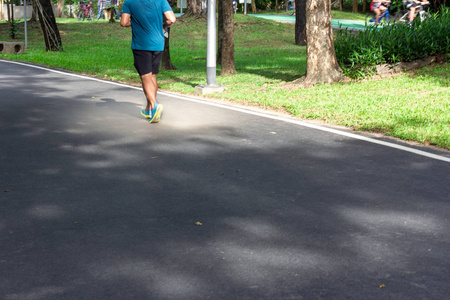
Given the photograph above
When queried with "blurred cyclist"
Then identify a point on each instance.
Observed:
(413, 5)
(378, 7)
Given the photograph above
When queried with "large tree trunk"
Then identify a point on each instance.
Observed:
(321, 63)
(300, 22)
(253, 6)
(195, 9)
(48, 25)
(228, 65)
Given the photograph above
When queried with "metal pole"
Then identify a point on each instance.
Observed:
(181, 7)
(211, 45)
(245, 7)
(25, 22)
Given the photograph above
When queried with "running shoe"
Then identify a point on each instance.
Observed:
(146, 113)
(156, 113)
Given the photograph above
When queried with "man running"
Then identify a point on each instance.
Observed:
(146, 20)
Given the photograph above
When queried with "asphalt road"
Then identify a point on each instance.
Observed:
(213, 202)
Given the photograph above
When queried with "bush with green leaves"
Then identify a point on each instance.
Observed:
(358, 54)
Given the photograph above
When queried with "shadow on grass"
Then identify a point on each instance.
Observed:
(172, 76)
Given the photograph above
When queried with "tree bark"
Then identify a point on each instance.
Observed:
(355, 6)
(228, 64)
(300, 22)
(166, 62)
(195, 9)
(253, 6)
(321, 63)
(8, 10)
(12, 29)
(33, 18)
(60, 8)
(2, 14)
(48, 25)
(111, 12)
(219, 32)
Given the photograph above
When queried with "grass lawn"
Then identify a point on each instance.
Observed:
(413, 106)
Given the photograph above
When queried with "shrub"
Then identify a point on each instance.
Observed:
(358, 54)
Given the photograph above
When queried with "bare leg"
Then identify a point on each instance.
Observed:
(412, 13)
(150, 87)
(377, 15)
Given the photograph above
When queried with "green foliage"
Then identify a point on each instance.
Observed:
(396, 5)
(359, 53)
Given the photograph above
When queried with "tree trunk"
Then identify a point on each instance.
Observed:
(321, 63)
(355, 6)
(195, 9)
(219, 32)
(166, 62)
(2, 14)
(111, 13)
(228, 65)
(8, 10)
(253, 6)
(341, 5)
(364, 6)
(12, 25)
(60, 8)
(33, 12)
(48, 25)
(300, 22)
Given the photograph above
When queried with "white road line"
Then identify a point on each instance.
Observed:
(300, 123)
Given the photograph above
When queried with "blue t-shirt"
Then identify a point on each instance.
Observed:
(146, 23)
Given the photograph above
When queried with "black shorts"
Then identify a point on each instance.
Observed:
(147, 61)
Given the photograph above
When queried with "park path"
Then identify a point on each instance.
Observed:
(213, 202)
(336, 23)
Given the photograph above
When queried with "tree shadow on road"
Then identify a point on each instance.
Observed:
(264, 210)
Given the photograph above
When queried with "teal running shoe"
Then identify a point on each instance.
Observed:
(146, 113)
(156, 113)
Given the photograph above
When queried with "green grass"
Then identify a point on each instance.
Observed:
(410, 106)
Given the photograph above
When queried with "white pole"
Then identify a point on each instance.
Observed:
(211, 45)
(181, 7)
(245, 7)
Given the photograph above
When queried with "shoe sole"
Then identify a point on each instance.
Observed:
(157, 115)
(146, 116)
